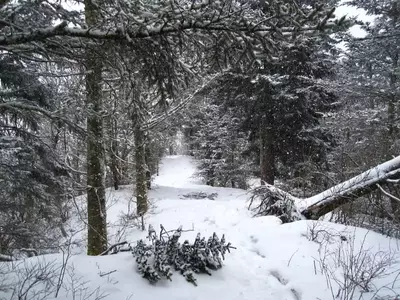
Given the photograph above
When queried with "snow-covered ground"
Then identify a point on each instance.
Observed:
(271, 262)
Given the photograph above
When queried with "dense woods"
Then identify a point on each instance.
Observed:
(94, 93)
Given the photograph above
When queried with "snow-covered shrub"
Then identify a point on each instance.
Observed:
(156, 260)
(268, 200)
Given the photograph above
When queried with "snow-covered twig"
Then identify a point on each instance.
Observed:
(387, 193)
(107, 273)
(112, 247)
(290, 259)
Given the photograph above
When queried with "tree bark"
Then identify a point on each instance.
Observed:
(96, 203)
(149, 164)
(114, 154)
(76, 161)
(141, 182)
(267, 152)
(394, 101)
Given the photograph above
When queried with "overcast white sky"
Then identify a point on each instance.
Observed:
(352, 11)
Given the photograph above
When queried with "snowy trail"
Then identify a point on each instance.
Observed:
(271, 262)
(177, 171)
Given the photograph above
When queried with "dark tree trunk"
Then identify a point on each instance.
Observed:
(96, 208)
(150, 162)
(210, 177)
(76, 162)
(148, 179)
(141, 182)
(394, 102)
(114, 155)
(267, 152)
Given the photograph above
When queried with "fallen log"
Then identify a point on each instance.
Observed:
(270, 198)
(351, 189)
(4, 258)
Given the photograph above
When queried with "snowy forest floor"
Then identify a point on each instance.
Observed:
(271, 262)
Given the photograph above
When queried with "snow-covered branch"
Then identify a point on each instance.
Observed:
(387, 193)
(156, 120)
(42, 111)
(115, 34)
(237, 23)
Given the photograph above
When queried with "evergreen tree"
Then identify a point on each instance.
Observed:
(367, 126)
(219, 144)
(373, 66)
(32, 176)
(281, 104)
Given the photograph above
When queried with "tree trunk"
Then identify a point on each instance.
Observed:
(114, 154)
(141, 182)
(325, 202)
(96, 208)
(351, 189)
(76, 162)
(267, 152)
(393, 100)
(149, 165)
(393, 104)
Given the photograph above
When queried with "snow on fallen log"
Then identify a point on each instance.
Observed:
(270, 200)
(351, 189)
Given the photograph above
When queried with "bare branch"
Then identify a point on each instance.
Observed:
(387, 193)
(112, 247)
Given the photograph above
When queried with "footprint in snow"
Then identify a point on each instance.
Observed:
(209, 221)
(296, 294)
(256, 251)
(253, 239)
(282, 280)
(279, 277)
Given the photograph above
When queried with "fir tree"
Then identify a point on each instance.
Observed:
(32, 176)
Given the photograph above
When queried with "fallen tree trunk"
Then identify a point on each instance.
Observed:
(4, 258)
(271, 198)
(351, 189)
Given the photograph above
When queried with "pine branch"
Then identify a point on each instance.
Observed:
(378, 37)
(44, 112)
(62, 29)
(173, 110)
